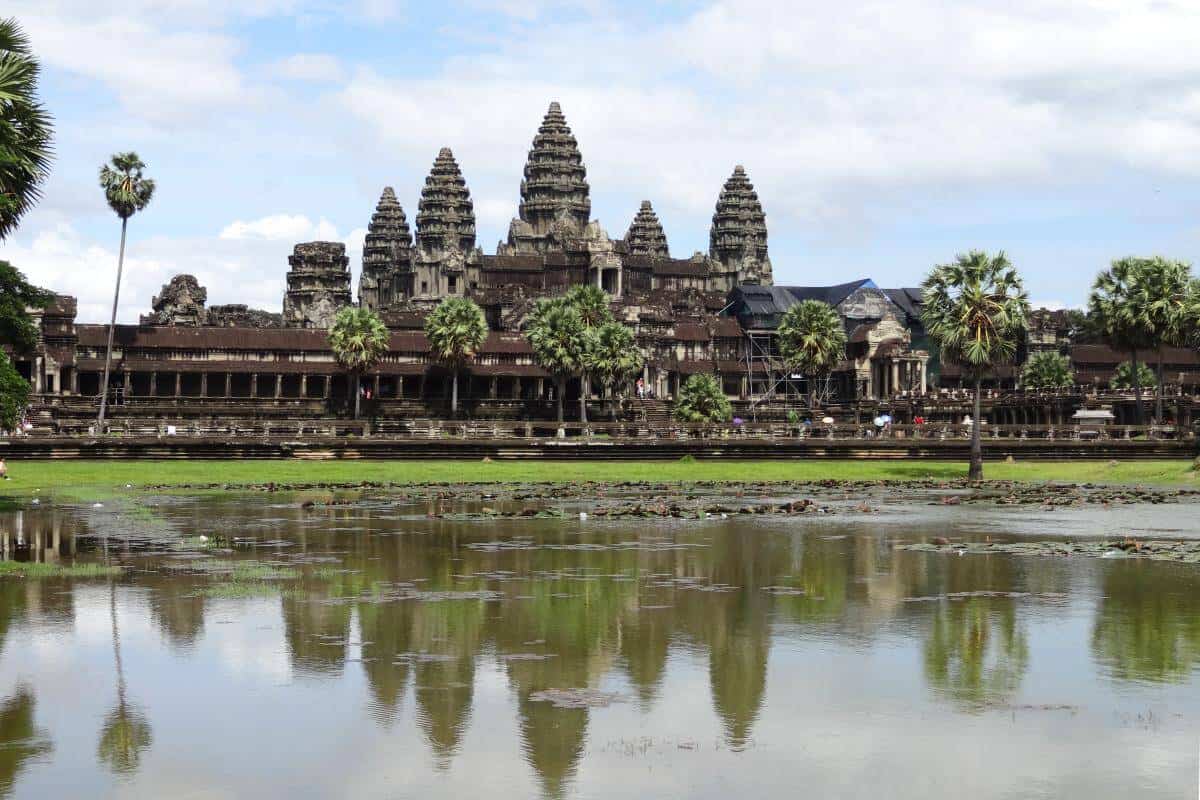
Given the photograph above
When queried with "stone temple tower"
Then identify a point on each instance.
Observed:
(555, 205)
(386, 276)
(738, 238)
(445, 230)
(646, 236)
(318, 285)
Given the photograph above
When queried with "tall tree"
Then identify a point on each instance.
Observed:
(1166, 295)
(592, 304)
(14, 394)
(812, 340)
(25, 128)
(556, 333)
(1048, 370)
(615, 359)
(456, 331)
(975, 309)
(128, 191)
(359, 339)
(1116, 304)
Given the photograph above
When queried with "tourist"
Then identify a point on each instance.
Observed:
(3, 469)
(641, 389)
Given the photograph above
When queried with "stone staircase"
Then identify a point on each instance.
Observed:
(655, 412)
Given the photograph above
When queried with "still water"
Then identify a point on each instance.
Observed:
(367, 650)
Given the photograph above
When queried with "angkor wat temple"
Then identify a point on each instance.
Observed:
(713, 312)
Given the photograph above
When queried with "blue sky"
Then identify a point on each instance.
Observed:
(884, 136)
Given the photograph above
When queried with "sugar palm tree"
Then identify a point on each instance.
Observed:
(701, 399)
(1048, 370)
(975, 309)
(1166, 295)
(25, 128)
(359, 340)
(128, 191)
(614, 358)
(556, 333)
(592, 304)
(456, 331)
(1117, 304)
(812, 340)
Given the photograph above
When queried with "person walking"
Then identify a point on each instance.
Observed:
(3, 470)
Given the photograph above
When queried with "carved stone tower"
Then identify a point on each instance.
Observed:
(645, 236)
(554, 194)
(738, 238)
(386, 277)
(318, 285)
(445, 215)
(445, 231)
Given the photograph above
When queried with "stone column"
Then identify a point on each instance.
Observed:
(178, 383)
(278, 385)
(895, 377)
(620, 280)
(494, 388)
(153, 384)
(128, 380)
(228, 385)
(204, 384)
(304, 386)
(924, 380)
(254, 384)
(328, 386)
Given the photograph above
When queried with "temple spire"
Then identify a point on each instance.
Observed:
(386, 255)
(445, 214)
(645, 236)
(738, 238)
(555, 200)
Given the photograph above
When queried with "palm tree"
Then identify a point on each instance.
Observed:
(975, 309)
(456, 331)
(128, 191)
(1048, 370)
(359, 340)
(25, 128)
(592, 304)
(1165, 295)
(812, 340)
(1117, 305)
(701, 399)
(556, 334)
(614, 358)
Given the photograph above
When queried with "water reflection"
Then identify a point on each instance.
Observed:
(1148, 622)
(419, 610)
(20, 740)
(125, 734)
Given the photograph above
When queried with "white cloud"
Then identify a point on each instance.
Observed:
(315, 67)
(281, 227)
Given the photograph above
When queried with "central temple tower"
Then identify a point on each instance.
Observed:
(555, 205)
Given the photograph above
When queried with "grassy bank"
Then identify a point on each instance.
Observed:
(96, 479)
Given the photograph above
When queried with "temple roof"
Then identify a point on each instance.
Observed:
(445, 214)
(645, 236)
(388, 227)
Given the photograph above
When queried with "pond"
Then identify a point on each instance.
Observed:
(442, 643)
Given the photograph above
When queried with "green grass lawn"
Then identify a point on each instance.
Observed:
(85, 480)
